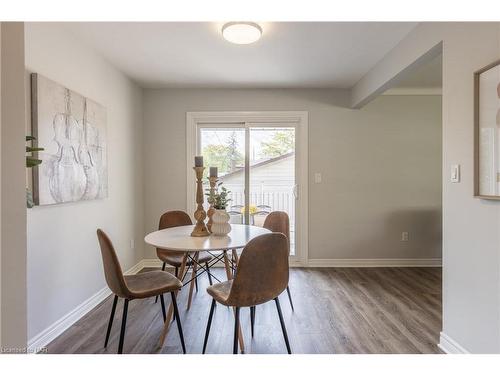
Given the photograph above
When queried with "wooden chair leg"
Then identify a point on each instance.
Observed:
(236, 329)
(208, 273)
(177, 318)
(124, 324)
(110, 324)
(163, 269)
(193, 283)
(252, 318)
(207, 332)
(283, 328)
(163, 307)
(289, 297)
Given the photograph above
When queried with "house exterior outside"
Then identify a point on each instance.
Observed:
(272, 183)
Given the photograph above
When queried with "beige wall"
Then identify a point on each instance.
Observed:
(13, 196)
(381, 166)
(471, 226)
(64, 261)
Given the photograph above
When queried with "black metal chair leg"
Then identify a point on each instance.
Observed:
(124, 324)
(179, 326)
(208, 273)
(236, 326)
(176, 275)
(289, 297)
(110, 324)
(252, 318)
(283, 328)
(163, 307)
(196, 282)
(163, 269)
(207, 332)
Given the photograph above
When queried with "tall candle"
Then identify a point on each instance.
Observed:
(198, 161)
(213, 171)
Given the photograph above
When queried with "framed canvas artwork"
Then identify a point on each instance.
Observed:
(487, 132)
(72, 130)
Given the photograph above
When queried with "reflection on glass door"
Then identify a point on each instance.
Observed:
(224, 147)
(272, 174)
(269, 183)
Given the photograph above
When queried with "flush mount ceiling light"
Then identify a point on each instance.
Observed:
(241, 32)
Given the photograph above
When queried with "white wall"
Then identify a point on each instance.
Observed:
(13, 196)
(471, 226)
(0, 185)
(381, 166)
(64, 261)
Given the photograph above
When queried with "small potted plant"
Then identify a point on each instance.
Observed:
(220, 218)
(31, 162)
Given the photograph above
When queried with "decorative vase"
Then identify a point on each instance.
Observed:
(220, 223)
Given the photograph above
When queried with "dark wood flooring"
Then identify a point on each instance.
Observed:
(337, 310)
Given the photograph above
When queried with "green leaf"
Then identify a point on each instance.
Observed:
(32, 162)
(34, 149)
(30, 138)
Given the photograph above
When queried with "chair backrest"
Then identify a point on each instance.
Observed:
(278, 222)
(112, 269)
(262, 271)
(172, 219)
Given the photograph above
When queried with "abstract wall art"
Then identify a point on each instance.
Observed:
(487, 132)
(72, 130)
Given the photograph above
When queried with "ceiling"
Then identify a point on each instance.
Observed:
(291, 54)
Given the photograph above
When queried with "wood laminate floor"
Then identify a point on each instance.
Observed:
(337, 310)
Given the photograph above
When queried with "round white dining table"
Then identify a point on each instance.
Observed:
(180, 239)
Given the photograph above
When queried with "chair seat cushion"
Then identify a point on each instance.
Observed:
(176, 260)
(150, 284)
(220, 291)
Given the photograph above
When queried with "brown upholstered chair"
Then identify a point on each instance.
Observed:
(172, 219)
(278, 221)
(261, 277)
(142, 285)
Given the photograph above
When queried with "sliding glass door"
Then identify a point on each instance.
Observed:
(223, 146)
(272, 174)
(257, 163)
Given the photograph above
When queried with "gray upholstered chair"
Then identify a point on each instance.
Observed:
(261, 277)
(142, 285)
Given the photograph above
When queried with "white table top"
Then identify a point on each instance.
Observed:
(179, 238)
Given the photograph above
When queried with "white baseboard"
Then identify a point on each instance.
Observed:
(433, 262)
(450, 346)
(151, 263)
(41, 340)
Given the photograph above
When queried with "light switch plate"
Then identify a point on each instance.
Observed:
(455, 173)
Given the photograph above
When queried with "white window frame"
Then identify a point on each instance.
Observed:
(300, 119)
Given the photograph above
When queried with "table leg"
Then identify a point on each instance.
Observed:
(236, 259)
(227, 266)
(193, 275)
(229, 275)
(182, 271)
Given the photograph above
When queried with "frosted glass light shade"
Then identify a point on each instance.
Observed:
(241, 32)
